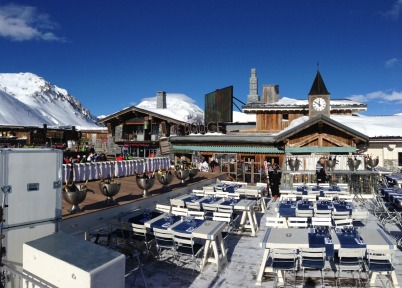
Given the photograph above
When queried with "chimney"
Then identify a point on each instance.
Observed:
(253, 92)
(270, 93)
(161, 99)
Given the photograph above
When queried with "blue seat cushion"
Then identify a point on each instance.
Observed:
(141, 238)
(313, 264)
(209, 215)
(380, 266)
(283, 264)
(358, 223)
(187, 250)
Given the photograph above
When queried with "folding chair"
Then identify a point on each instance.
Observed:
(313, 259)
(209, 193)
(195, 206)
(343, 223)
(321, 222)
(163, 208)
(208, 188)
(350, 260)
(323, 213)
(309, 197)
(331, 194)
(276, 222)
(359, 218)
(226, 217)
(233, 196)
(304, 213)
(254, 195)
(289, 197)
(199, 215)
(221, 194)
(186, 246)
(178, 211)
(347, 198)
(209, 210)
(297, 222)
(198, 192)
(164, 241)
(339, 215)
(140, 235)
(380, 262)
(283, 260)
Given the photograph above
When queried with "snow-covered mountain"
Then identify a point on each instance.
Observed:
(183, 108)
(29, 100)
(178, 106)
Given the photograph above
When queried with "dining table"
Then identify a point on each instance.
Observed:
(288, 208)
(258, 191)
(291, 238)
(248, 219)
(211, 232)
(373, 239)
(208, 230)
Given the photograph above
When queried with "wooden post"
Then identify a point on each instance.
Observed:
(252, 171)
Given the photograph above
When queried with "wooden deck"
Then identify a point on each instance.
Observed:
(129, 192)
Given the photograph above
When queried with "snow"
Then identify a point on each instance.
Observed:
(285, 101)
(178, 106)
(372, 126)
(37, 102)
(239, 117)
(14, 112)
(183, 108)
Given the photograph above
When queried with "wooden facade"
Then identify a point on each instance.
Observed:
(321, 131)
(138, 131)
(275, 121)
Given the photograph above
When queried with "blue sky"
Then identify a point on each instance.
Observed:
(113, 53)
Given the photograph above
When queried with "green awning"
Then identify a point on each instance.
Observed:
(227, 149)
(320, 149)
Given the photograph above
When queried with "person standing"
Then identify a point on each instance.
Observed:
(275, 176)
(320, 171)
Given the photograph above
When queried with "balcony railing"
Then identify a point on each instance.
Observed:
(12, 278)
(137, 137)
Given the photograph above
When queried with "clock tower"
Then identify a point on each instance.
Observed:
(319, 98)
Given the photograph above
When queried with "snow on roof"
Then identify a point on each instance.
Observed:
(372, 126)
(179, 107)
(239, 117)
(285, 101)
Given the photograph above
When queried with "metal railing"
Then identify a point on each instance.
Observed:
(12, 278)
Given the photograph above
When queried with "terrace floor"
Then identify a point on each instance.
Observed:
(129, 192)
(245, 258)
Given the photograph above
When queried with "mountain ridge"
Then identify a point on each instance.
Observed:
(43, 102)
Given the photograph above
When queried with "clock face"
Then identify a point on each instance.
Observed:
(319, 104)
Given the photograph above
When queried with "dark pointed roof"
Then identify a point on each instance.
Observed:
(318, 87)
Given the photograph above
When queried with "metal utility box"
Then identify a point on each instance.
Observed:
(63, 260)
(30, 195)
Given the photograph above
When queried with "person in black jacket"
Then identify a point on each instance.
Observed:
(320, 171)
(275, 176)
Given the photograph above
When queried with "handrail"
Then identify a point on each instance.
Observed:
(29, 280)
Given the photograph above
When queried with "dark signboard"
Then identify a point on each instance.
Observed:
(219, 105)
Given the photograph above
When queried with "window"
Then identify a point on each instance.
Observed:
(400, 159)
(285, 117)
